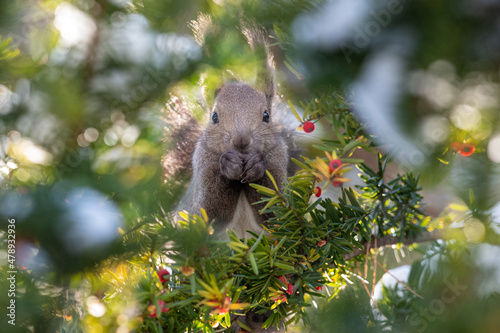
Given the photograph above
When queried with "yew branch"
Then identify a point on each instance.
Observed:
(391, 240)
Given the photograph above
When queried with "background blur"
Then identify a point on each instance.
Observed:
(86, 111)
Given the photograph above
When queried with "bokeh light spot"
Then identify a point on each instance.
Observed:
(91, 221)
(23, 175)
(465, 117)
(494, 149)
(74, 25)
(130, 135)
(110, 138)
(474, 231)
(5, 100)
(81, 141)
(435, 128)
(91, 134)
(95, 307)
(28, 152)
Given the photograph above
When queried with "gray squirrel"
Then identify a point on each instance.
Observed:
(240, 143)
(242, 140)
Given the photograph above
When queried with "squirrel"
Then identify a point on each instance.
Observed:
(242, 140)
(240, 143)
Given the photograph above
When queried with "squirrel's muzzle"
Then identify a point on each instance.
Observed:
(242, 142)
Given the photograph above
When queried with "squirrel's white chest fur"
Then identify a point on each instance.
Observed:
(244, 218)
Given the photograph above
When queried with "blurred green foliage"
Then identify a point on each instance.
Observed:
(85, 89)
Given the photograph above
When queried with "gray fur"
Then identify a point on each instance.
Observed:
(235, 152)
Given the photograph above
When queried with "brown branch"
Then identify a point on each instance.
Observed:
(391, 240)
(375, 241)
(363, 281)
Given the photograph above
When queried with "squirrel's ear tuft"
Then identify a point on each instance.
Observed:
(258, 38)
(204, 28)
(265, 81)
(217, 91)
(269, 89)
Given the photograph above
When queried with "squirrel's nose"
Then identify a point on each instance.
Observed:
(241, 142)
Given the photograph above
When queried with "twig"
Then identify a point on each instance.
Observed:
(366, 260)
(375, 266)
(362, 281)
(404, 284)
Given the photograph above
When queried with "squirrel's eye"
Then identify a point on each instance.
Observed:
(266, 117)
(215, 118)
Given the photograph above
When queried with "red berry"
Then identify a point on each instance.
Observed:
(222, 310)
(161, 303)
(322, 243)
(162, 306)
(225, 306)
(336, 183)
(334, 164)
(317, 191)
(289, 289)
(163, 275)
(466, 149)
(308, 127)
(318, 288)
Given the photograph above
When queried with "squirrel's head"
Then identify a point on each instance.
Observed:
(240, 120)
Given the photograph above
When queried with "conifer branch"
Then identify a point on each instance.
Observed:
(391, 240)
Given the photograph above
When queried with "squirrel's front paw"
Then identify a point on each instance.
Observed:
(254, 167)
(231, 164)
